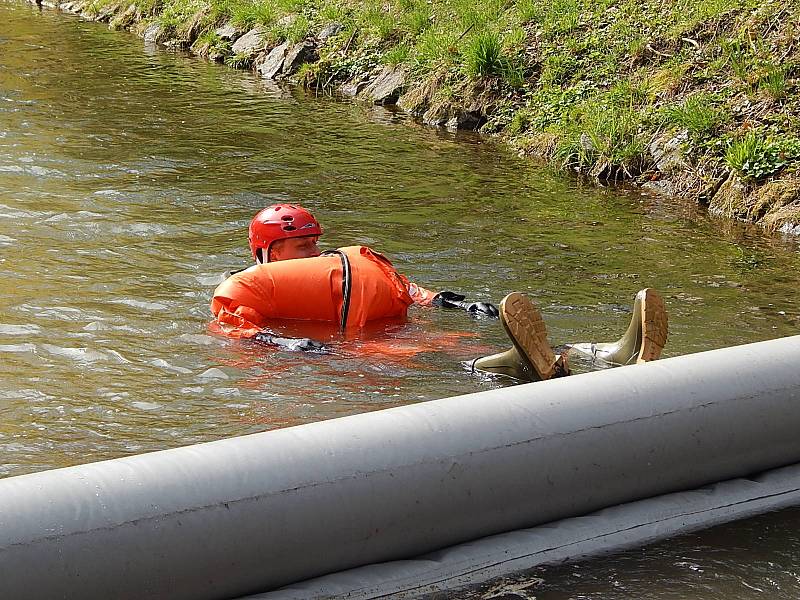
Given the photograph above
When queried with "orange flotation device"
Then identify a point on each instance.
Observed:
(350, 286)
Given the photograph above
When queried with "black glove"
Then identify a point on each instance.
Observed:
(291, 344)
(448, 299)
(483, 308)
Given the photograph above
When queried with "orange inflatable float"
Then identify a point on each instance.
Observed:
(349, 287)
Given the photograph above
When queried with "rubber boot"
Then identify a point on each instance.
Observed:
(643, 340)
(530, 358)
(508, 363)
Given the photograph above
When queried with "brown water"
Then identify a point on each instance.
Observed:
(757, 558)
(128, 176)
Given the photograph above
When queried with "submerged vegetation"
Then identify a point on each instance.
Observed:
(690, 97)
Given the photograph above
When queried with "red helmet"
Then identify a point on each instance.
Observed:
(278, 222)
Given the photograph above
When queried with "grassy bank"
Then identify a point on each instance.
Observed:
(692, 98)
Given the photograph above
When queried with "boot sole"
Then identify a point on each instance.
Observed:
(524, 325)
(655, 326)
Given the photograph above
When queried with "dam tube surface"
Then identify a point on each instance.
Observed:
(253, 513)
(613, 529)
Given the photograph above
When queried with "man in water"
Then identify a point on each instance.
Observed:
(292, 279)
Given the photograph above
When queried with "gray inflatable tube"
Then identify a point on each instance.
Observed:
(607, 530)
(254, 513)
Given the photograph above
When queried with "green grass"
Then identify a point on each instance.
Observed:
(699, 114)
(251, 13)
(605, 141)
(591, 82)
(296, 30)
(755, 157)
(483, 55)
(149, 8)
(529, 11)
(738, 57)
(239, 61)
(774, 82)
(417, 19)
(209, 43)
(434, 50)
(397, 55)
(562, 17)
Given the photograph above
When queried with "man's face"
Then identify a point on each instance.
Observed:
(300, 247)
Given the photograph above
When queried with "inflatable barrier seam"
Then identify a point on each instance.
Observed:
(258, 497)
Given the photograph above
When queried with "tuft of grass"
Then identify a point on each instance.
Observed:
(483, 55)
(295, 30)
(397, 55)
(435, 50)
(417, 19)
(175, 14)
(628, 93)
(738, 57)
(241, 60)
(559, 69)
(774, 82)
(220, 9)
(514, 39)
(331, 11)
(706, 10)
(253, 12)
(311, 75)
(521, 122)
(604, 139)
(514, 73)
(299, 30)
(669, 79)
(93, 8)
(563, 17)
(211, 45)
(149, 8)
(698, 114)
(754, 158)
(615, 139)
(378, 20)
(530, 11)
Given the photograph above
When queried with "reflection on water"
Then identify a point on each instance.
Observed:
(128, 178)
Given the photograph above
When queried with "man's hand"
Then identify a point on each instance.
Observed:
(483, 308)
(290, 344)
(447, 299)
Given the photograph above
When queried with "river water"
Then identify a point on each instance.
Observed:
(128, 175)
